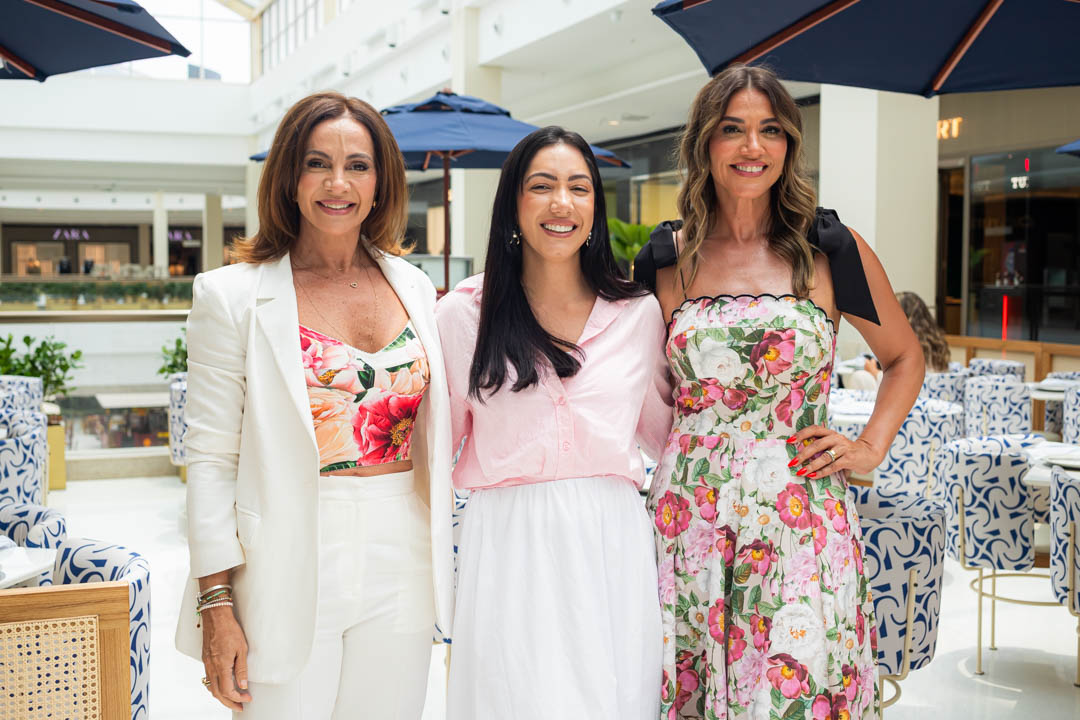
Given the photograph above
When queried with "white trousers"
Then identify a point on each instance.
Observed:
(558, 613)
(376, 609)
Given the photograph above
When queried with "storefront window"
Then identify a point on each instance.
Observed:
(1024, 278)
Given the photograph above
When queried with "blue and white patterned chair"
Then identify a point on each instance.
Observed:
(947, 386)
(995, 366)
(86, 561)
(23, 454)
(904, 556)
(911, 463)
(32, 526)
(177, 421)
(996, 405)
(1065, 547)
(461, 498)
(1070, 416)
(1054, 414)
(18, 392)
(989, 515)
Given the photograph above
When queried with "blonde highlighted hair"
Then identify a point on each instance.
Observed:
(792, 202)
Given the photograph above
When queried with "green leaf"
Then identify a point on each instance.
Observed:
(797, 709)
(701, 467)
(806, 419)
(716, 480)
(755, 596)
(742, 573)
(405, 336)
(367, 376)
(777, 698)
(338, 466)
(813, 393)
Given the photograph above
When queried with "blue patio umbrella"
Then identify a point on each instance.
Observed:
(458, 131)
(39, 38)
(1072, 148)
(925, 47)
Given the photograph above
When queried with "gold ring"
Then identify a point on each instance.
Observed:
(831, 454)
(206, 682)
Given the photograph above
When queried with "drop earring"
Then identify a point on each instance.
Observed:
(588, 238)
(515, 238)
(374, 204)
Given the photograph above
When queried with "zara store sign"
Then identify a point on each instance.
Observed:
(71, 234)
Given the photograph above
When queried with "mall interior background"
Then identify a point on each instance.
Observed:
(118, 184)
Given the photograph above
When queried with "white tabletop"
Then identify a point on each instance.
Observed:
(19, 564)
(1040, 474)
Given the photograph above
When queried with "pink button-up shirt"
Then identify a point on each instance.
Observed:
(587, 425)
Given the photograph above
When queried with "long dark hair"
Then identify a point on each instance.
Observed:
(509, 333)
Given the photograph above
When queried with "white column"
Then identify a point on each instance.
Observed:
(252, 175)
(213, 233)
(472, 191)
(878, 170)
(160, 236)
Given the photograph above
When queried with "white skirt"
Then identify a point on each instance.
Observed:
(557, 612)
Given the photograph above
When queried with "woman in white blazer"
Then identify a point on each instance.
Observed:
(319, 498)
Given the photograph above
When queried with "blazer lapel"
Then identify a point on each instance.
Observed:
(276, 316)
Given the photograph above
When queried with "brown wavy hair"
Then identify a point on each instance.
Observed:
(935, 348)
(792, 203)
(279, 215)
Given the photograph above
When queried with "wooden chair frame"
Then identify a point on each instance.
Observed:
(107, 601)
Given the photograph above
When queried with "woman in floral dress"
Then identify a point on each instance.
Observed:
(766, 610)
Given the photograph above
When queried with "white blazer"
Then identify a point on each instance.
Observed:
(253, 463)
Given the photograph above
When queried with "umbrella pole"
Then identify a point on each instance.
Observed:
(446, 220)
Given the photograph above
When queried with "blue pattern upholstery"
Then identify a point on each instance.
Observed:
(955, 366)
(1064, 510)
(461, 498)
(997, 516)
(996, 405)
(1070, 423)
(32, 526)
(1052, 420)
(988, 366)
(902, 532)
(948, 386)
(177, 421)
(911, 462)
(20, 393)
(85, 561)
(23, 454)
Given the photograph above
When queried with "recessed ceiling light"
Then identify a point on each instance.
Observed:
(611, 122)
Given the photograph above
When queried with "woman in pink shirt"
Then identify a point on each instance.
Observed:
(556, 373)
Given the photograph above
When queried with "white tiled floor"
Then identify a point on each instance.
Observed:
(1029, 676)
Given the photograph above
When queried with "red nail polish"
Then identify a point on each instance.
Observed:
(801, 472)
(812, 476)
(793, 463)
(792, 439)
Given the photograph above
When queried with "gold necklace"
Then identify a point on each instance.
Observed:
(376, 315)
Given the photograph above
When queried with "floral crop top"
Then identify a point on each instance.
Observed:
(363, 405)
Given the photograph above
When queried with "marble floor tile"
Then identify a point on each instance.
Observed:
(1030, 675)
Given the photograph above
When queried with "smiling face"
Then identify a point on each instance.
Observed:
(555, 206)
(748, 148)
(337, 180)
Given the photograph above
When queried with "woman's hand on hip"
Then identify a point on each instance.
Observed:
(823, 451)
(224, 657)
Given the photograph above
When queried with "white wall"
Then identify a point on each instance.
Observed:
(115, 354)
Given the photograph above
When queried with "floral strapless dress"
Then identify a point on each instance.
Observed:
(766, 610)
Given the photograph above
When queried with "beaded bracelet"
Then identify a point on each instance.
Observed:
(201, 609)
(207, 591)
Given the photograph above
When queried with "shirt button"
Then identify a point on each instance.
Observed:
(566, 447)
(561, 400)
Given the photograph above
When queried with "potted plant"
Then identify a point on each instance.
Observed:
(50, 360)
(175, 368)
(627, 239)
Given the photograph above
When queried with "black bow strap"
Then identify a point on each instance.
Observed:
(658, 253)
(852, 292)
